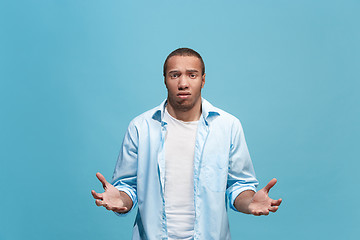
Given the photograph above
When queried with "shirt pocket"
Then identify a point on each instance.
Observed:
(216, 170)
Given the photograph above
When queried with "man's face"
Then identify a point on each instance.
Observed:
(184, 82)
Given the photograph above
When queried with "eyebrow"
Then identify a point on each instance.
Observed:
(189, 71)
(192, 71)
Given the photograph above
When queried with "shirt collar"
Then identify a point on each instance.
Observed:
(209, 112)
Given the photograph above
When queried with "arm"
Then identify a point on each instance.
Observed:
(241, 174)
(242, 181)
(125, 174)
(121, 196)
(258, 203)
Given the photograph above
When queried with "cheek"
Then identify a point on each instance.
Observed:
(199, 85)
(171, 87)
(167, 85)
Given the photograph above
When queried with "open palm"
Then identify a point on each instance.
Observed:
(111, 198)
(261, 203)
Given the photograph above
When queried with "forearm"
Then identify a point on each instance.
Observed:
(126, 200)
(243, 200)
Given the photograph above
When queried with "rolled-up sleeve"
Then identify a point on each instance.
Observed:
(124, 177)
(241, 174)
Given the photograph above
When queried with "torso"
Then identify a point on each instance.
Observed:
(179, 177)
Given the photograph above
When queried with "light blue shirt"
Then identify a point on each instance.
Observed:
(222, 170)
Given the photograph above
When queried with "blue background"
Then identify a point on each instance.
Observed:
(74, 73)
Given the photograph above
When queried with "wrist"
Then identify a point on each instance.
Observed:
(127, 202)
(243, 200)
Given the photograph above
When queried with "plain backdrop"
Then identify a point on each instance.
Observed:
(73, 73)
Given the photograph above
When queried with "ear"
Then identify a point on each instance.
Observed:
(203, 80)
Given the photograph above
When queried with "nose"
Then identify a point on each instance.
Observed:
(183, 83)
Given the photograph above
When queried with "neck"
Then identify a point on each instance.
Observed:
(186, 115)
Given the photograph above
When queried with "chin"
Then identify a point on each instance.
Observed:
(184, 106)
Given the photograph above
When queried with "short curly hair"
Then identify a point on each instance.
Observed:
(184, 52)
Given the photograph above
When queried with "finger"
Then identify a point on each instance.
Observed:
(260, 212)
(273, 209)
(266, 213)
(256, 213)
(102, 179)
(96, 195)
(100, 203)
(118, 209)
(115, 209)
(270, 184)
(263, 212)
(276, 202)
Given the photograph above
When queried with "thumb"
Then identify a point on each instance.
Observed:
(102, 179)
(270, 184)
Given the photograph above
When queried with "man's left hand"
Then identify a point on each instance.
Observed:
(261, 203)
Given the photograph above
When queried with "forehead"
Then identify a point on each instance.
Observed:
(184, 63)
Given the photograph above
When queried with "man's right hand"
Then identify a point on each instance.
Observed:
(112, 199)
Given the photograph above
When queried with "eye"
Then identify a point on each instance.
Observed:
(192, 75)
(174, 75)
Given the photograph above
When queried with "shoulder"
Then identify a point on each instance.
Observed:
(146, 117)
(227, 116)
(231, 121)
(223, 116)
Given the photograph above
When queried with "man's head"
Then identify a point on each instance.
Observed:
(184, 78)
(184, 52)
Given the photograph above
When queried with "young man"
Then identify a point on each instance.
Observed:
(182, 161)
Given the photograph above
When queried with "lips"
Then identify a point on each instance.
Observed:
(183, 94)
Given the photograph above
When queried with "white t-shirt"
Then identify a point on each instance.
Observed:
(179, 177)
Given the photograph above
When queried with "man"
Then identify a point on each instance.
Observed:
(182, 161)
